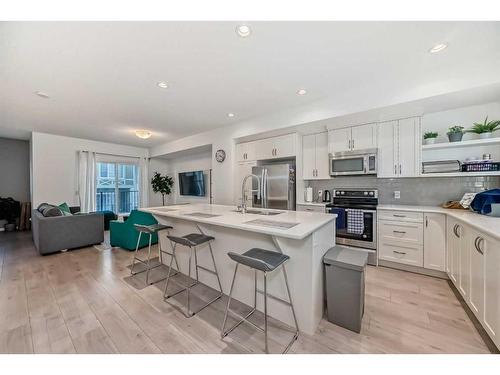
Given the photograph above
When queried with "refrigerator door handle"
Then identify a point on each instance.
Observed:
(264, 183)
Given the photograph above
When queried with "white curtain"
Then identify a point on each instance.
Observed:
(144, 182)
(87, 181)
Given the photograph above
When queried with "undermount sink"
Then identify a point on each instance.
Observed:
(260, 212)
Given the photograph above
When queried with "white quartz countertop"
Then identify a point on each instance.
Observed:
(487, 224)
(307, 222)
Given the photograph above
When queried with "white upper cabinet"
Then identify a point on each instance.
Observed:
(309, 157)
(398, 148)
(409, 146)
(434, 241)
(363, 137)
(353, 138)
(387, 149)
(315, 156)
(322, 159)
(276, 147)
(269, 148)
(339, 140)
(245, 151)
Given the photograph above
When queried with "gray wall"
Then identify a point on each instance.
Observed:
(431, 191)
(14, 169)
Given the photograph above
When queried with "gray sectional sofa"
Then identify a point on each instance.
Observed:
(55, 233)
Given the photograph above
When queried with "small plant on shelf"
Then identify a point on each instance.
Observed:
(455, 133)
(162, 184)
(430, 137)
(485, 129)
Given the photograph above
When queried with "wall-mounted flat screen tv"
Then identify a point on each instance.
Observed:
(192, 183)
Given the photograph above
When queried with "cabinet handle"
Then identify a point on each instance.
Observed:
(399, 252)
(275, 152)
(353, 144)
(400, 169)
(395, 169)
(455, 229)
(397, 215)
(477, 244)
(399, 231)
(349, 144)
(426, 221)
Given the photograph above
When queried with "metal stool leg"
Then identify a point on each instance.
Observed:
(165, 296)
(296, 335)
(149, 259)
(223, 333)
(135, 254)
(265, 313)
(215, 267)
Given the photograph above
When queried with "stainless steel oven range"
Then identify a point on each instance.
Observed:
(356, 223)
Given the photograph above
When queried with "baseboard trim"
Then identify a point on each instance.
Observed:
(408, 268)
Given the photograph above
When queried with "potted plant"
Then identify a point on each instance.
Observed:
(162, 184)
(485, 129)
(430, 138)
(455, 133)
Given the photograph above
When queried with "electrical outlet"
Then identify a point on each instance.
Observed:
(397, 194)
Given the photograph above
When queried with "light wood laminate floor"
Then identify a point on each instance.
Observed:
(80, 302)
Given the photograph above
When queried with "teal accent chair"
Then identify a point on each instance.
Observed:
(124, 235)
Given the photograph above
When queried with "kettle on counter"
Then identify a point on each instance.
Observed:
(327, 196)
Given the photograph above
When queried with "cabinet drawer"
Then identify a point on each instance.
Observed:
(414, 217)
(310, 208)
(404, 232)
(405, 254)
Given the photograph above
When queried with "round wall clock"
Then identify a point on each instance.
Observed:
(220, 155)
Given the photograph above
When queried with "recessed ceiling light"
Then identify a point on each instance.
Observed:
(438, 48)
(42, 94)
(144, 134)
(243, 30)
(163, 85)
(230, 114)
(301, 92)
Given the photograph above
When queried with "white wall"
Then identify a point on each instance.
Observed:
(55, 165)
(194, 160)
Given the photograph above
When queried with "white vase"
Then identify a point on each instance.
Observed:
(485, 135)
(429, 141)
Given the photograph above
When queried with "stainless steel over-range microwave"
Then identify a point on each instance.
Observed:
(353, 163)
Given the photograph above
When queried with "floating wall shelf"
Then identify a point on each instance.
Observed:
(469, 143)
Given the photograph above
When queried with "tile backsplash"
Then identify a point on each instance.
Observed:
(430, 191)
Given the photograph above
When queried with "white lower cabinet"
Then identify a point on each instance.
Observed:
(473, 265)
(434, 241)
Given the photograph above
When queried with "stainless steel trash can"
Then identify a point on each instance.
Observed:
(345, 286)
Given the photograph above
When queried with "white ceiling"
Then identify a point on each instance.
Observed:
(102, 76)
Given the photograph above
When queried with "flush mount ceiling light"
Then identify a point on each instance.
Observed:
(301, 92)
(163, 85)
(144, 134)
(42, 94)
(243, 31)
(230, 114)
(438, 48)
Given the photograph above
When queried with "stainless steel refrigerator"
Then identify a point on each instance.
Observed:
(277, 186)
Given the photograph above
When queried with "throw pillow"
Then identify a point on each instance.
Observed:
(52, 211)
(65, 208)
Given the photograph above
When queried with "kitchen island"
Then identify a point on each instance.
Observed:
(304, 236)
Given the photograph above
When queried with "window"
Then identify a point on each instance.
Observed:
(117, 187)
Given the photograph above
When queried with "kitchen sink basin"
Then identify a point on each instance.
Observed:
(261, 212)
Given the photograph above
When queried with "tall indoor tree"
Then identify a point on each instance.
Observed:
(162, 184)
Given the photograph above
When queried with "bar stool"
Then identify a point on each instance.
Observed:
(191, 240)
(149, 230)
(265, 261)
